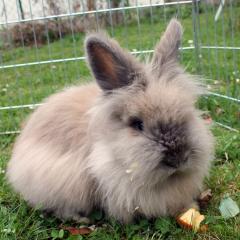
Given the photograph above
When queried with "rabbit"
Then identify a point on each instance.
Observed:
(132, 144)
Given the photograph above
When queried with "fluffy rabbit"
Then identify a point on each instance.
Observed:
(132, 144)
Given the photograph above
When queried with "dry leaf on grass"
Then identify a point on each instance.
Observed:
(191, 219)
(78, 231)
(219, 111)
(204, 198)
(207, 118)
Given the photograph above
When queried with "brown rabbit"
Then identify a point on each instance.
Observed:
(131, 144)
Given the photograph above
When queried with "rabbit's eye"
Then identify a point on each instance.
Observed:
(136, 123)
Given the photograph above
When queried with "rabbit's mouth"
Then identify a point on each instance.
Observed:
(166, 167)
(172, 164)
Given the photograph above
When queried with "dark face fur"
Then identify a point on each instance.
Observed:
(173, 140)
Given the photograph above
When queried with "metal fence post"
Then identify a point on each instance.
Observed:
(195, 13)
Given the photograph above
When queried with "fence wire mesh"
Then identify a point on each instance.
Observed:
(41, 48)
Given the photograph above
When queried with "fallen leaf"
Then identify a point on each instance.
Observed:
(206, 115)
(228, 208)
(204, 198)
(191, 219)
(219, 111)
(78, 231)
(206, 195)
(207, 118)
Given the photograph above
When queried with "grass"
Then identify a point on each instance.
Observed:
(27, 85)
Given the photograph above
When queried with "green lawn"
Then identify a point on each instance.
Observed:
(27, 85)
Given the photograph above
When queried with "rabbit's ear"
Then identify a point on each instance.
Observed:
(167, 49)
(110, 64)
